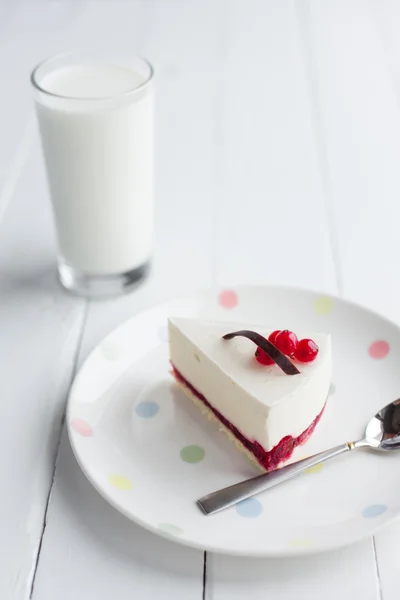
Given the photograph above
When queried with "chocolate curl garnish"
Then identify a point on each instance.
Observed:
(281, 360)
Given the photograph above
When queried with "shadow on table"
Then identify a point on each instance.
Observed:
(38, 280)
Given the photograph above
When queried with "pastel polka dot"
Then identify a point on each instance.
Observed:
(163, 333)
(82, 427)
(147, 410)
(332, 389)
(323, 305)
(170, 528)
(374, 510)
(192, 454)
(315, 468)
(300, 543)
(120, 482)
(249, 508)
(110, 351)
(228, 299)
(379, 349)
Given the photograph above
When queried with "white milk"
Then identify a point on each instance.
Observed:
(98, 145)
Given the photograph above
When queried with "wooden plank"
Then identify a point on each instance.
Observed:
(276, 193)
(40, 328)
(386, 17)
(272, 223)
(102, 553)
(357, 56)
(361, 124)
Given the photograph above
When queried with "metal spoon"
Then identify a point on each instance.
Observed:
(382, 434)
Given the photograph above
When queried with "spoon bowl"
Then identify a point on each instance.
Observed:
(383, 430)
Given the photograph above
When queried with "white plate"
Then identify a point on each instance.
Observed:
(133, 432)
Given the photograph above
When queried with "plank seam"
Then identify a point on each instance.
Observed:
(204, 595)
(378, 575)
(60, 430)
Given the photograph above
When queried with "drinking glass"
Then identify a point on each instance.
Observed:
(96, 125)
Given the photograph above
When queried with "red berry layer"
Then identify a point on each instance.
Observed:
(269, 460)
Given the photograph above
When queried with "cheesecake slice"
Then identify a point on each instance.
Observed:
(267, 410)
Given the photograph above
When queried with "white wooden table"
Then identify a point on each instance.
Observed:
(274, 117)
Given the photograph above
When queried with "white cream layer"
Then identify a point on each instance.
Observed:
(261, 401)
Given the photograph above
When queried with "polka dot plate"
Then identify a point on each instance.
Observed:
(146, 448)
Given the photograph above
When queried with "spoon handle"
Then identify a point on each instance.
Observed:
(228, 496)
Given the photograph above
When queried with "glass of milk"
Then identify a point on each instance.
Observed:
(96, 124)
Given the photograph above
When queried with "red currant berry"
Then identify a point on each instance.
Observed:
(263, 358)
(272, 336)
(286, 341)
(306, 350)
